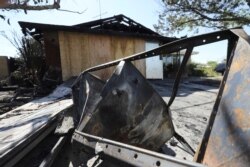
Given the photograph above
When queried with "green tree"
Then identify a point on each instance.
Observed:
(212, 64)
(203, 70)
(192, 14)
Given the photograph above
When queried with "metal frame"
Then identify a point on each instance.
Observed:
(188, 44)
(128, 154)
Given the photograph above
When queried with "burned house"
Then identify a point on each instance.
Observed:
(136, 142)
(73, 49)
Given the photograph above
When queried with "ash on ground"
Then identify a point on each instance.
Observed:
(190, 111)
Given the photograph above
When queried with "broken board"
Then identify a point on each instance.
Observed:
(23, 124)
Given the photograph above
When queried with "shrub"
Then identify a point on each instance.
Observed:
(203, 70)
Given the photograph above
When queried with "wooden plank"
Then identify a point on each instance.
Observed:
(126, 46)
(140, 64)
(75, 53)
(121, 47)
(64, 55)
(80, 51)
(99, 52)
(85, 58)
(22, 123)
(74, 43)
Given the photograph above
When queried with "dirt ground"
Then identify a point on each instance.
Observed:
(3, 96)
(190, 112)
(10, 99)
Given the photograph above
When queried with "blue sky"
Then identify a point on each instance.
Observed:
(143, 11)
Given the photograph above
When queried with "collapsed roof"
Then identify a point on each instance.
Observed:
(116, 25)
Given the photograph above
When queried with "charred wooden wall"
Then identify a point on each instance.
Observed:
(80, 51)
(4, 68)
(52, 50)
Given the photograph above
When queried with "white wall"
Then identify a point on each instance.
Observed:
(154, 65)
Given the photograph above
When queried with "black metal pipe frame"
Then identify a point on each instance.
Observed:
(230, 53)
(189, 44)
(179, 73)
(128, 154)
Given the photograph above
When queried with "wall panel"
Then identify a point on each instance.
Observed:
(80, 51)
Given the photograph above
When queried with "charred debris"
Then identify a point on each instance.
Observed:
(124, 122)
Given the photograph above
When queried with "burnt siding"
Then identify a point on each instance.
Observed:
(52, 49)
